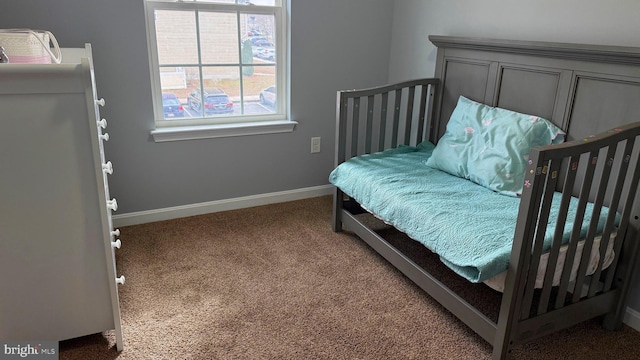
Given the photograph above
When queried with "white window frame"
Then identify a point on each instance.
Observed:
(211, 127)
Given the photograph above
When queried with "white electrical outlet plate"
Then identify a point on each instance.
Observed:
(315, 145)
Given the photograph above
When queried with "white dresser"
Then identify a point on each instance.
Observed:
(57, 267)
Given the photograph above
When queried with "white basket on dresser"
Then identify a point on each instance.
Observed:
(57, 240)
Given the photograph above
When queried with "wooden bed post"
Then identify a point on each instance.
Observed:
(613, 320)
(340, 155)
(629, 257)
(516, 275)
(336, 223)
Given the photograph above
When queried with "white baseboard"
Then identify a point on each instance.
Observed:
(175, 212)
(632, 318)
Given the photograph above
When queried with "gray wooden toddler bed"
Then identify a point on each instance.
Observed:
(517, 166)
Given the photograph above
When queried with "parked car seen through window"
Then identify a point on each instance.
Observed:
(216, 101)
(268, 96)
(171, 105)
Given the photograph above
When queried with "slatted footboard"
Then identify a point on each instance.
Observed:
(602, 169)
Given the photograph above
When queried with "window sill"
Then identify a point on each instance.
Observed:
(177, 133)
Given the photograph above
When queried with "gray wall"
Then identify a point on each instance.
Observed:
(582, 21)
(335, 44)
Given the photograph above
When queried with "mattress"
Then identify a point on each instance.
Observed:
(471, 228)
(498, 282)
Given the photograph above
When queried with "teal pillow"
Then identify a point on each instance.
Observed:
(490, 146)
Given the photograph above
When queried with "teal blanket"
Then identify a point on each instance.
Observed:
(469, 226)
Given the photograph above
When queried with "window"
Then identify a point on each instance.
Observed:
(218, 67)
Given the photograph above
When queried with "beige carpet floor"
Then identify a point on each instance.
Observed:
(274, 282)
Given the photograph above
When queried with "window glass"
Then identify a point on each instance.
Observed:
(217, 63)
(176, 31)
(219, 38)
(254, 87)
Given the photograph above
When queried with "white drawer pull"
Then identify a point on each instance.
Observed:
(120, 280)
(116, 244)
(107, 167)
(102, 123)
(104, 136)
(100, 102)
(115, 232)
(112, 204)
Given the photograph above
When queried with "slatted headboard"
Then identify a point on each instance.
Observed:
(565, 83)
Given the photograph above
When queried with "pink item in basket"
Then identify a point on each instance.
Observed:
(26, 46)
(44, 59)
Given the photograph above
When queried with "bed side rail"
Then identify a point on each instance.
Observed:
(379, 118)
(602, 170)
